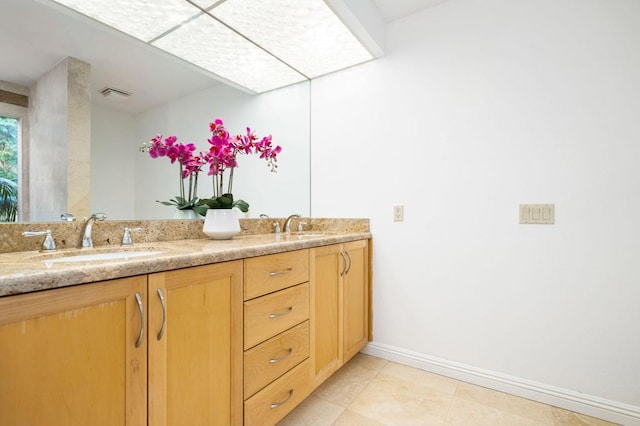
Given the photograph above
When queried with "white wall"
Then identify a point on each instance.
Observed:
(113, 152)
(478, 106)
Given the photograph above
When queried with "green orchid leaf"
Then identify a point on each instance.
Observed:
(181, 203)
(201, 209)
(226, 200)
(222, 202)
(211, 203)
(242, 205)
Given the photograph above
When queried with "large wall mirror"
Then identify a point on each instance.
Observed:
(169, 97)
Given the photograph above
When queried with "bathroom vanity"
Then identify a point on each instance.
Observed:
(201, 332)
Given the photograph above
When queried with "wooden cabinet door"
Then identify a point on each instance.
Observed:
(68, 356)
(355, 298)
(195, 348)
(326, 264)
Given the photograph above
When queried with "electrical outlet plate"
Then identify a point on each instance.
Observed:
(398, 213)
(541, 214)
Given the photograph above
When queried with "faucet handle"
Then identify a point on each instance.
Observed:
(127, 240)
(276, 226)
(301, 226)
(48, 244)
(67, 217)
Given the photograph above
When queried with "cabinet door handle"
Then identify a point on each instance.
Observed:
(281, 314)
(277, 404)
(349, 259)
(344, 264)
(278, 359)
(141, 309)
(164, 314)
(275, 273)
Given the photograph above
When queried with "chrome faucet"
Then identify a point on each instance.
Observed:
(287, 223)
(87, 240)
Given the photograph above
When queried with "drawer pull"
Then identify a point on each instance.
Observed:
(141, 309)
(286, 271)
(349, 259)
(281, 314)
(164, 314)
(277, 404)
(344, 264)
(278, 359)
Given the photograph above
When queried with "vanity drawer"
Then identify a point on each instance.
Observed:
(272, 403)
(274, 313)
(266, 274)
(271, 359)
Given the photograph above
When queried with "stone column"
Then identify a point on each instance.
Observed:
(60, 142)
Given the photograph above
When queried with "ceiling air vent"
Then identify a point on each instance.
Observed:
(115, 95)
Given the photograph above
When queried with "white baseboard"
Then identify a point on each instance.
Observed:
(624, 414)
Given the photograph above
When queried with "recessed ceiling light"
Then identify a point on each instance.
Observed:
(259, 45)
(308, 36)
(142, 19)
(209, 44)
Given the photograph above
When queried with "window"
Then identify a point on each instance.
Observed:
(9, 170)
(14, 149)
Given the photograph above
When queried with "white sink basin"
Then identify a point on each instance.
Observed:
(98, 254)
(118, 255)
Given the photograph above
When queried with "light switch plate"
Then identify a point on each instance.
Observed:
(541, 214)
(398, 213)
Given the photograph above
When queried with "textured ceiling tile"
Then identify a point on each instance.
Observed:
(212, 46)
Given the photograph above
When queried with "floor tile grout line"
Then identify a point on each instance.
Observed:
(548, 422)
(369, 381)
(457, 395)
(446, 417)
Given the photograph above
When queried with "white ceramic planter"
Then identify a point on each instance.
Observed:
(221, 224)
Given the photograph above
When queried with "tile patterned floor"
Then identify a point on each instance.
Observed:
(370, 391)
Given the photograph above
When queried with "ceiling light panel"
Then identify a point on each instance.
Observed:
(306, 34)
(214, 47)
(143, 19)
(206, 4)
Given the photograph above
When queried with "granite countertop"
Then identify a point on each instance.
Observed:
(29, 271)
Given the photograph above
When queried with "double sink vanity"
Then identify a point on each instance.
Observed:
(178, 329)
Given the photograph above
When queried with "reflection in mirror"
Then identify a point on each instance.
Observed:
(126, 183)
(10, 131)
(14, 129)
(169, 97)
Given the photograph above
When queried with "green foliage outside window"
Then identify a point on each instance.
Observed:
(8, 169)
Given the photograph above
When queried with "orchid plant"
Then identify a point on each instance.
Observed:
(190, 167)
(221, 158)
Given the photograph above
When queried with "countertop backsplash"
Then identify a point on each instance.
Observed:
(109, 233)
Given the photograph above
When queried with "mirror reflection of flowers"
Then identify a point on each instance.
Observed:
(190, 167)
(221, 157)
